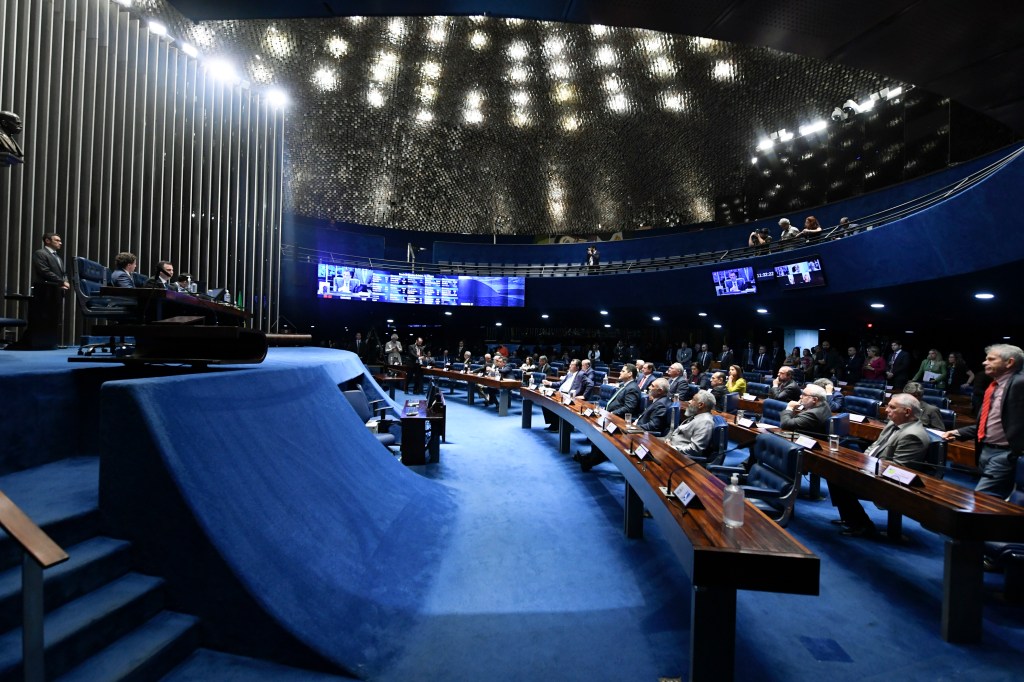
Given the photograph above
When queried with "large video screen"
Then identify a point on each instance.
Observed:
(734, 282)
(800, 274)
(346, 283)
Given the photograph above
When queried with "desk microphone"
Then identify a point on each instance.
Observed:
(668, 485)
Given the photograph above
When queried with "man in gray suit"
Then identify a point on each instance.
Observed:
(903, 441)
(693, 436)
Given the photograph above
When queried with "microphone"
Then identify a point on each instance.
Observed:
(668, 484)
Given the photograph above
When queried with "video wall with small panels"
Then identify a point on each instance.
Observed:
(799, 272)
(345, 283)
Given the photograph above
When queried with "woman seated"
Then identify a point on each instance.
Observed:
(735, 383)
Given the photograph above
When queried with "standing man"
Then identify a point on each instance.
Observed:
(359, 346)
(899, 367)
(704, 358)
(49, 282)
(684, 355)
(999, 432)
(763, 361)
(726, 358)
(418, 354)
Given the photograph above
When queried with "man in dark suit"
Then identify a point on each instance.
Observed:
(903, 441)
(124, 265)
(49, 282)
(657, 417)
(784, 387)
(900, 367)
(543, 366)
(809, 414)
(718, 390)
(726, 358)
(161, 279)
(853, 365)
(576, 382)
(646, 377)
(677, 380)
(749, 357)
(359, 346)
(704, 358)
(626, 399)
(999, 431)
(763, 361)
(500, 370)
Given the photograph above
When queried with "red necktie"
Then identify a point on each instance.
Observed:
(986, 405)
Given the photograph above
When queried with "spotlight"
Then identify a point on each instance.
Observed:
(851, 107)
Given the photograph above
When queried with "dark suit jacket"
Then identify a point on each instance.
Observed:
(901, 370)
(678, 385)
(646, 380)
(120, 278)
(704, 360)
(47, 267)
(719, 392)
(657, 417)
(786, 392)
(626, 399)
(548, 370)
(727, 359)
(156, 283)
(1012, 414)
(584, 382)
(814, 420)
(763, 363)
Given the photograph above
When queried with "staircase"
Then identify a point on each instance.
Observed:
(103, 620)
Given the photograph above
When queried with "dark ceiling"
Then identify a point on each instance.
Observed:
(968, 51)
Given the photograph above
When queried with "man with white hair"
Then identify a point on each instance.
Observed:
(999, 431)
(788, 231)
(678, 383)
(693, 436)
(810, 414)
(903, 441)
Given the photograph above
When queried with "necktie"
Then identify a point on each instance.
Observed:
(986, 405)
(883, 438)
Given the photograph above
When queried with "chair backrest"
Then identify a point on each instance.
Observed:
(839, 424)
(758, 389)
(599, 377)
(752, 376)
(926, 390)
(715, 452)
(458, 366)
(771, 411)
(732, 402)
(607, 391)
(1017, 496)
(776, 467)
(948, 419)
(538, 378)
(871, 383)
(357, 399)
(869, 392)
(657, 375)
(517, 374)
(935, 455)
(864, 406)
(936, 400)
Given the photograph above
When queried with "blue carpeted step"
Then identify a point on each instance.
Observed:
(93, 563)
(146, 653)
(60, 497)
(87, 624)
(205, 665)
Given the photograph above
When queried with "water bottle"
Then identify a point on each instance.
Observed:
(227, 296)
(733, 503)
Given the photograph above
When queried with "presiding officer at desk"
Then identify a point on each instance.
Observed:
(124, 265)
(161, 279)
(809, 414)
(904, 441)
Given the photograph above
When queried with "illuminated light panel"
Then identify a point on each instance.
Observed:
(655, 318)
(877, 305)
(570, 123)
(437, 35)
(724, 70)
(278, 43)
(385, 68)
(554, 46)
(618, 103)
(604, 312)
(261, 73)
(396, 29)
(984, 296)
(189, 49)
(277, 98)
(427, 93)
(474, 99)
(221, 70)
(204, 37)
(356, 21)
(702, 314)
(599, 29)
(431, 70)
(813, 127)
(514, 22)
(478, 40)
(518, 74)
(521, 119)
(518, 51)
(662, 67)
(606, 55)
(337, 46)
(704, 43)
(157, 29)
(612, 84)
(375, 98)
(654, 45)
(520, 97)
(325, 79)
(785, 135)
(473, 116)
(564, 93)
(673, 101)
(424, 116)
(559, 70)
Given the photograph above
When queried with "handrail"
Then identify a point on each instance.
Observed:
(305, 255)
(41, 553)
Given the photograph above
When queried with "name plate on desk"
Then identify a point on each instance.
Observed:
(566, 400)
(610, 427)
(857, 418)
(806, 442)
(749, 397)
(745, 422)
(588, 412)
(547, 391)
(685, 494)
(602, 421)
(642, 451)
(901, 476)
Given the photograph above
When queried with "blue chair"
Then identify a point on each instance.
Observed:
(714, 453)
(865, 406)
(839, 424)
(948, 419)
(774, 479)
(868, 392)
(1009, 556)
(753, 377)
(393, 429)
(87, 278)
(599, 376)
(607, 391)
(871, 383)
(657, 375)
(732, 402)
(926, 390)
(935, 456)
(937, 401)
(758, 389)
(771, 411)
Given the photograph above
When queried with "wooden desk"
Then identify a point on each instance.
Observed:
(416, 443)
(719, 560)
(504, 386)
(389, 382)
(966, 518)
(159, 304)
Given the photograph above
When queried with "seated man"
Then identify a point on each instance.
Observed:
(931, 418)
(502, 371)
(718, 390)
(693, 436)
(646, 377)
(543, 366)
(124, 265)
(836, 399)
(576, 382)
(678, 384)
(810, 414)
(902, 441)
(161, 279)
(626, 399)
(658, 415)
(784, 387)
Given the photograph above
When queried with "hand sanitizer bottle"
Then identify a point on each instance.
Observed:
(733, 503)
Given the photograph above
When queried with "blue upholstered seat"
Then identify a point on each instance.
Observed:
(774, 478)
(771, 411)
(864, 406)
(357, 399)
(868, 392)
(758, 389)
(936, 400)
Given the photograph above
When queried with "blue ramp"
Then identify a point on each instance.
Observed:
(267, 504)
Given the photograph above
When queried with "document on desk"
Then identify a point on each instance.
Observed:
(766, 427)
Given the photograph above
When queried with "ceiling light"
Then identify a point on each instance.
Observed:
(702, 314)
(656, 318)
(717, 326)
(221, 70)
(190, 50)
(391, 321)
(877, 305)
(608, 326)
(157, 29)
(984, 296)
(277, 98)
(604, 312)
(813, 127)
(544, 316)
(497, 324)
(448, 313)
(763, 311)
